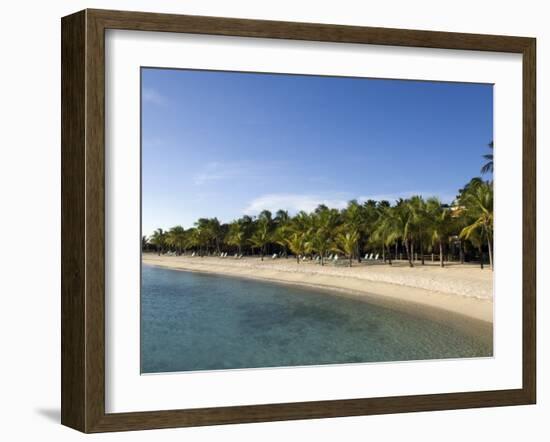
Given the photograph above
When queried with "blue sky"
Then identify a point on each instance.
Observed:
(226, 144)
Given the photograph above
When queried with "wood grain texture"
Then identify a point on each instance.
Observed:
(145, 21)
(529, 221)
(83, 220)
(73, 128)
(95, 222)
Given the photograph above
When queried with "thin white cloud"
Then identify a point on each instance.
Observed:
(219, 171)
(292, 202)
(152, 96)
(216, 171)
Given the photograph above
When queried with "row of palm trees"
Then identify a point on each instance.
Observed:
(414, 226)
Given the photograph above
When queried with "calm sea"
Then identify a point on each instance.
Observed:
(194, 321)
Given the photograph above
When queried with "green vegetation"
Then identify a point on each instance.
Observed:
(410, 229)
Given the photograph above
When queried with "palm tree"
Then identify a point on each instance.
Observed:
(478, 203)
(385, 231)
(346, 243)
(215, 232)
(488, 166)
(158, 239)
(203, 234)
(260, 238)
(236, 235)
(282, 230)
(420, 221)
(402, 224)
(477, 242)
(192, 238)
(440, 222)
(298, 244)
(409, 223)
(280, 235)
(281, 217)
(176, 238)
(324, 222)
(355, 217)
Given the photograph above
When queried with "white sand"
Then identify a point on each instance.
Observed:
(464, 289)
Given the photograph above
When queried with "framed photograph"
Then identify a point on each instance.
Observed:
(269, 220)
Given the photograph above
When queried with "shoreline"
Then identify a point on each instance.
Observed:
(406, 291)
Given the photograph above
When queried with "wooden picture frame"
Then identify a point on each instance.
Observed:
(83, 220)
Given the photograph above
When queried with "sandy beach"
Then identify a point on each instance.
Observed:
(464, 289)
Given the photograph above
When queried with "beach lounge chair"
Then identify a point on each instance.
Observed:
(366, 256)
(335, 258)
(275, 256)
(376, 257)
(236, 255)
(193, 254)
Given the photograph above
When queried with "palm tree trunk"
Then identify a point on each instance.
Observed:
(389, 256)
(481, 256)
(441, 254)
(422, 251)
(297, 259)
(461, 252)
(408, 250)
(350, 259)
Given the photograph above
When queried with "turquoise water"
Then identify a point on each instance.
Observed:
(193, 321)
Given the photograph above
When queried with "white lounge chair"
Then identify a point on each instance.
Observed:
(335, 257)
(275, 256)
(376, 257)
(366, 256)
(193, 254)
